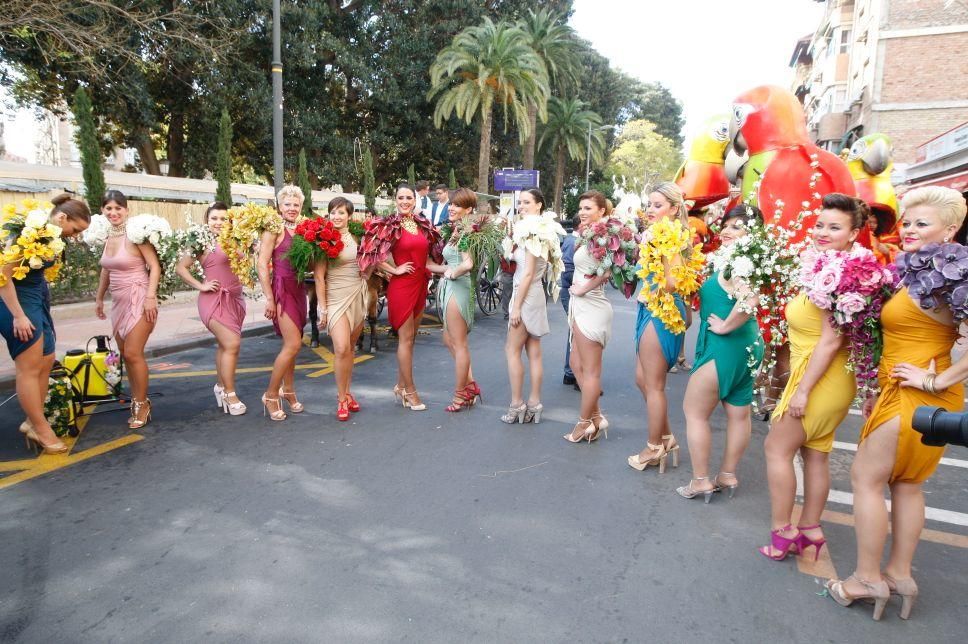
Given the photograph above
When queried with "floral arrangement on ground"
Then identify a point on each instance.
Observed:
(29, 241)
(667, 254)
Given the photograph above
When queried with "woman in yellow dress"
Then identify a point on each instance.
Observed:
(915, 369)
(815, 400)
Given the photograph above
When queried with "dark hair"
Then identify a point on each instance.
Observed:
(116, 196)
(848, 206)
(73, 208)
(340, 202)
(423, 183)
(441, 186)
(404, 186)
(464, 198)
(743, 211)
(599, 200)
(216, 205)
(538, 196)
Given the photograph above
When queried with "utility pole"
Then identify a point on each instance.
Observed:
(277, 164)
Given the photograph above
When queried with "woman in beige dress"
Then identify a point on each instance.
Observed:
(590, 323)
(341, 292)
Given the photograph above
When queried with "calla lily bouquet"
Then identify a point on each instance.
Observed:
(541, 236)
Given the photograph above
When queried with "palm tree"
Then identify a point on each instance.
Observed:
(487, 64)
(555, 42)
(567, 131)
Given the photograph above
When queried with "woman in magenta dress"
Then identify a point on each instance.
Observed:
(412, 241)
(286, 304)
(221, 307)
(132, 273)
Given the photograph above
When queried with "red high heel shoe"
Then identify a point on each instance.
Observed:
(804, 542)
(784, 545)
(475, 391)
(351, 403)
(342, 410)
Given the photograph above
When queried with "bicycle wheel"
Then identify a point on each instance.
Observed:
(488, 292)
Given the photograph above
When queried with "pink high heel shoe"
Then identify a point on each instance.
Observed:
(784, 545)
(804, 542)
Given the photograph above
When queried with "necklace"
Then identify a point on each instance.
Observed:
(409, 224)
(290, 225)
(116, 231)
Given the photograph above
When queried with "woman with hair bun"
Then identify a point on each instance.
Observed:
(26, 323)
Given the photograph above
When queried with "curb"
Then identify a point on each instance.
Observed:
(167, 348)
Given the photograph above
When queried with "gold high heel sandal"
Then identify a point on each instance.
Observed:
(295, 406)
(587, 430)
(136, 421)
(34, 443)
(879, 592)
(659, 458)
(277, 414)
(409, 404)
(906, 589)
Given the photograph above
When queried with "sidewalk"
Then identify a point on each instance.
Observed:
(178, 328)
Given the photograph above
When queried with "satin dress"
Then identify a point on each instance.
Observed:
(346, 291)
(458, 291)
(534, 308)
(128, 275)
(288, 289)
(590, 313)
(670, 343)
(34, 297)
(226, 305)
(407, 294)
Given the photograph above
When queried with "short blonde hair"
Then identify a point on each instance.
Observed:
(290, 191)
(948, 203)
(673, 194)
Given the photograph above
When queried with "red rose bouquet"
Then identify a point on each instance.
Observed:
(314, 240)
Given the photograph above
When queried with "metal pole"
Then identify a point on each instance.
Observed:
(277, 164)
(588, 156)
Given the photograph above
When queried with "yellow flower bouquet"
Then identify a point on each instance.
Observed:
(665, 254)
(240, 236)
(29, 241)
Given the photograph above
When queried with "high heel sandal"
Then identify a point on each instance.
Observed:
(659, 458)
(730, 489)
(671, 446)
(278, 413)
(409, 405)
(34, 443)
(351, 403)
(906, 589)
(515, 414)
(342, 409)
(601, 427)
(879, 592)
(783, 545)
(473, 388)
(398, 392)
(236, 408)
(586, 431)
(533, 414)
(219, 392)
(295, 406)
(806, 542)
(462, 398)
(688, 492)
(136, 421)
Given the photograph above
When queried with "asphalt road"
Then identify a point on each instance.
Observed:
(424, 526)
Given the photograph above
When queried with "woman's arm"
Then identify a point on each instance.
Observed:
(828, 345)
(737, 317)
(466, 266)
(154, 278)
(593, 283)
(23, 328)
(182, 268)
(438, 269)
(911, 376)
(266, 245)
(319, 279)
(103, 282)
(403, 269)
(527, 276)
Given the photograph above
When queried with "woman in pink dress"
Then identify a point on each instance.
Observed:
(411, 240)
(132, 273)
(286, 304)
(221, 307)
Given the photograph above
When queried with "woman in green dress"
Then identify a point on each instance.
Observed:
(728, 341)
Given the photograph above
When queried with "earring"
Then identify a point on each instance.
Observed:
(947, 239)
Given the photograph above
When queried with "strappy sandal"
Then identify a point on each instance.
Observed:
(462, 399)
(278, 413)
(879, 592)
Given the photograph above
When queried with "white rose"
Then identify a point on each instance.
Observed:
(36, 219)
(36, 262)
(742, 267)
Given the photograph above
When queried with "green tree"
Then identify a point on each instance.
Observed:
(223, 168)
(567, 133)
(487, 64)
(302, 179)
(452, 180)
(369, 182)
(411, 175)
(641, 157)
(658, 105)
(90, 148)
(556, 44)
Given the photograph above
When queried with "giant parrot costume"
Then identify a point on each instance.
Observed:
(786, 173)
(870, 163)
(702, 177)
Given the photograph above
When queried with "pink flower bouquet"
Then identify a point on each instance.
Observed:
(615, 246)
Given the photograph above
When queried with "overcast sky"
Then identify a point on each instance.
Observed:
(706, 52)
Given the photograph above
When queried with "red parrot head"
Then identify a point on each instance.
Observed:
(767, 118)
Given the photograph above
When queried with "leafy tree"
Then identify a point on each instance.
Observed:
(452, 180)
(641, 157)
(411, 175)
(557, 46)
(369, 184)
(484, 64)
(223, 171)
(658, 105)
(569, 126)
(91, 156)
(302, 180)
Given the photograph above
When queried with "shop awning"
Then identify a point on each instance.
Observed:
(958, 181)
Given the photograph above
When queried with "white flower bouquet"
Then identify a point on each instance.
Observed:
(97, 233)
(541, 236)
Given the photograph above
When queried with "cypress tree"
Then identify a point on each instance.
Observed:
(411, 175)
(85, 136)
(452, 180)
(223, 169)
(304, 185)
(369, 181)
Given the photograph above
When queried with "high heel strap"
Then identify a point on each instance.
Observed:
(879, 592)
(410, 405)
(570, 436)
(515, 414)
(782, 545)
(906, 589)
(689, 492)
(533, 413)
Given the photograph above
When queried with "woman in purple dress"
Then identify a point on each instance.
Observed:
(221, 306)
(286, 304)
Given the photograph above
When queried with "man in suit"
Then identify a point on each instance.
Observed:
(423, 198)
(440, 210)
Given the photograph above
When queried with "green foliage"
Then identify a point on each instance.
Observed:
(411, 175)
(567, 132)
(223, 171)
(369, 183)
(87, 143)
(642, 157)
(302, 180)
(451, 180)
(79, 274)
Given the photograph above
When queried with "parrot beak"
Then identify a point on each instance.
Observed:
(877, 157)
(735, 164)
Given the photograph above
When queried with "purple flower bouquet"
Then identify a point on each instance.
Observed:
(937, 275)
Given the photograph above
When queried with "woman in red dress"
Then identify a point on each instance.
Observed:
(411, 240)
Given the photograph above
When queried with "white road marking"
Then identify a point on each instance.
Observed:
(953, 462)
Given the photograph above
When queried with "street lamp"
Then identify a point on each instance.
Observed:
(588, 151)
(277, 163)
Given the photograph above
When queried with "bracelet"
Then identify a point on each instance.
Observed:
(323, 311)
(927, 383)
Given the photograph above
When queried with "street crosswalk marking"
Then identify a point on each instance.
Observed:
(852, 447)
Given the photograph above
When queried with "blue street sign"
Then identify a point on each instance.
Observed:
(511, 180)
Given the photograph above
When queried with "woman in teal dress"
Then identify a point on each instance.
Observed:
(455, 292)
(728, 339)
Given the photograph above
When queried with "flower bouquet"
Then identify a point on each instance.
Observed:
(615, 246)
(112, 374)
(314, 240)
(853, 286)
(937, 275)
(241, 233)
(29, 241)
(666, 251)
(152, 229)
(59, 400)
(481, 238)
(539, 235)
(96, 233)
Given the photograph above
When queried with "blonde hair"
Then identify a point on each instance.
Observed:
(674, 196)
(290, 191)
(948, 203)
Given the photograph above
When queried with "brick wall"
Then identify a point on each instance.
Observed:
(909, 14)
(925, 68)
(910, 128)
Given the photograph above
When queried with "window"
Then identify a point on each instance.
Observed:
(844, 41)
